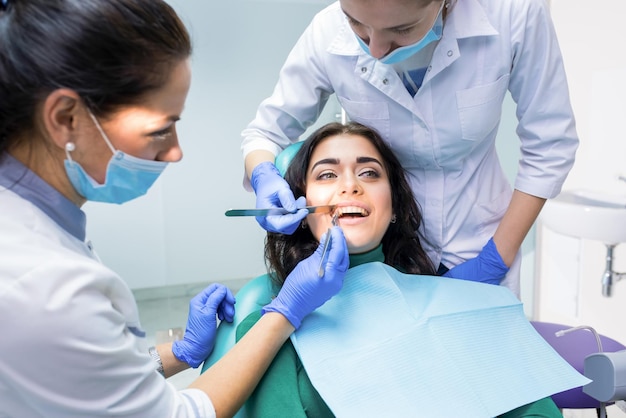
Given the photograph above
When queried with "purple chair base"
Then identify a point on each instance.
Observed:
(574, 347)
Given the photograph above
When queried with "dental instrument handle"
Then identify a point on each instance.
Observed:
(320, 273)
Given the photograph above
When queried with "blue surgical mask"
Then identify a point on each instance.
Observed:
(127, 177)
(402, 53)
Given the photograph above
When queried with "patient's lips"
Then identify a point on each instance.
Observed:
(349, 213)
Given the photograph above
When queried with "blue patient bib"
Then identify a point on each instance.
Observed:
(393, 344)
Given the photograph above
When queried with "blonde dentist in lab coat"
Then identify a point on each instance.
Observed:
(91, 93)
(431, 76)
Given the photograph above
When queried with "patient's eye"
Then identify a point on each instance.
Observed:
(370, 173)
(326, 175)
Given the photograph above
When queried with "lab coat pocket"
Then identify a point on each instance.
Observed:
(372, 114)
(480, 108)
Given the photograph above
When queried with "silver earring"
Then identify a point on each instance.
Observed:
(303, 224)
(393, 219)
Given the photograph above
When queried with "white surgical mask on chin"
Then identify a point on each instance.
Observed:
(402, 53)
(127, 177)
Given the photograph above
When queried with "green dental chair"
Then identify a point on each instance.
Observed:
(250, 298)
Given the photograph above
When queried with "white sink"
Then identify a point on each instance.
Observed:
(587, 214)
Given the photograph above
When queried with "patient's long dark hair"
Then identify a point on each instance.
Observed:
(401, 242)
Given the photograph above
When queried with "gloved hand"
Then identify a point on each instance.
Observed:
(272, 191)
(487, 267)
(303, 290)
(197, 343)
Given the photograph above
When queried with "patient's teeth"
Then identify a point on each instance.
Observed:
(352, 210)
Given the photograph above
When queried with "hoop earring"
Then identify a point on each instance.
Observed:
(393, 219)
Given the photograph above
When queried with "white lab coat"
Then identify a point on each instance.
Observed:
(70, 338)
(444, 135)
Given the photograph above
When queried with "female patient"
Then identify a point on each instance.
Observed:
(351, 167)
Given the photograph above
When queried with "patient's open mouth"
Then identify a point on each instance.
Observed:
(351, 211)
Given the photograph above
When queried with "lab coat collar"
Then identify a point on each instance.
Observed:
(468, 19)
(345, 42)
(18, 178)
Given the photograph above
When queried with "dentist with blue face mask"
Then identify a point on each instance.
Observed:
(431, 77)
(126, 178)
(97, 126)
(403, 53)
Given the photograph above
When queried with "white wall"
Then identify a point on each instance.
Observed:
(591, 35)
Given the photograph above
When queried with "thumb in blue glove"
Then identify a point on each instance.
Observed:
(303, 290)
(487, 267)
(272, 191)
(215, 301)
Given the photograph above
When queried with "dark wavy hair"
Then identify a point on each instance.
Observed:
(402, 241)
(111, 52)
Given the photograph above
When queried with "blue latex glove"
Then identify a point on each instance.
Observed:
(487, 267)
(272, 191)
(303, 290)
(197, 343)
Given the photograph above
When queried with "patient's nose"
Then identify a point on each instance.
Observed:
(350, 185)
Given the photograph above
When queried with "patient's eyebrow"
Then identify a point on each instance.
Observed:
(362, 160)
(333, 161)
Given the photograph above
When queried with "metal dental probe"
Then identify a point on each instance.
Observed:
(320, 273)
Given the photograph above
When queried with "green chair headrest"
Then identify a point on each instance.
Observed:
(283, 159)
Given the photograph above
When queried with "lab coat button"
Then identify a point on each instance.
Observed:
(364, 69)
(450, 53)
(385, 81)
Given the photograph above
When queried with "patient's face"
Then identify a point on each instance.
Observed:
(348, 171)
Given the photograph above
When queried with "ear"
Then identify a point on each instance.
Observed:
(60, 112)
